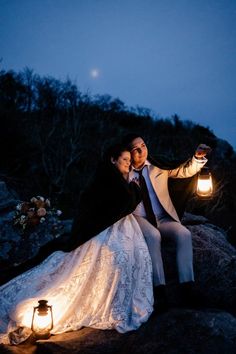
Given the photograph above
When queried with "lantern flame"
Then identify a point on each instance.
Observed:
(42, 322)
(204, 185)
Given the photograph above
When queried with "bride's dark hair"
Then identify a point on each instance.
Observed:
(114, 150)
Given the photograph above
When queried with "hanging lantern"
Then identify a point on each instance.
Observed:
(204, 183)
(42, 320)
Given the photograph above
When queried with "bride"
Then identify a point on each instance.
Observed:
(105, 282)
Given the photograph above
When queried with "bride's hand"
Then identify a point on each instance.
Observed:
(136, 180)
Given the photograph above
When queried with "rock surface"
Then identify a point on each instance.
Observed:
(7, 199)
(16, 246)
(214, 265)
(177, 331)
(208, 330)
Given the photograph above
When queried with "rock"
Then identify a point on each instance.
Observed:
(25, 348)
(214, 267)
(16, 246)
(21, 251)
(5, 249)
(7, 200)
(177, 331)
(190, 219)
(207, 330)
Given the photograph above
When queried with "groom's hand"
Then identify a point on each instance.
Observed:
(202, 150)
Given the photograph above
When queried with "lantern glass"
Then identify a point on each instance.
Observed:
(42, 320)
(204, 184)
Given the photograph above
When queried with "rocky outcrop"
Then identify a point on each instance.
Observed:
(16, 246)
(214, 265)
(209, 329)
(7, 199)
(177, 331)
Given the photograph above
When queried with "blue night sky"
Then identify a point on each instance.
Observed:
(172, 56)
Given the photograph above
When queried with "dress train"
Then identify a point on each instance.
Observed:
(106, 283)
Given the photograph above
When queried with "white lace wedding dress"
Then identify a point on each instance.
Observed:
(106, 283)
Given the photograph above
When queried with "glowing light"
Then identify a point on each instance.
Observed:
(204, 186)
(94, 73)
(42, 320)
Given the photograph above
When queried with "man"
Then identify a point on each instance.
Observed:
(162, 220)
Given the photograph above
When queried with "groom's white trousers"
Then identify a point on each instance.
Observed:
(168, 228)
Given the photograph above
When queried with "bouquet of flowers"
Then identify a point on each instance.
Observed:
(34, 212)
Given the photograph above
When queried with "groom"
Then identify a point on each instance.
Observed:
(158, 218)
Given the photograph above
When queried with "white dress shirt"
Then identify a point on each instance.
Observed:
(158, 209)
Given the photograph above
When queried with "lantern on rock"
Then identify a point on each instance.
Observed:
(204, 184)
(42, 320)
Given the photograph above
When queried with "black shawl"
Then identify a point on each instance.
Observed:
(107, 199)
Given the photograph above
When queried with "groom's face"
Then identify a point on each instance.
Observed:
(139, 152)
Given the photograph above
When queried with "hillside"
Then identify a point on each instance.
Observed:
(52, 137)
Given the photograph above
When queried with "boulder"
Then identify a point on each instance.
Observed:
(7, 198)
(210, 329)
(177, 331)
(18, 247)
(214, 265)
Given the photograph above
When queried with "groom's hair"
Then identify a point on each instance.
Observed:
(128, 138)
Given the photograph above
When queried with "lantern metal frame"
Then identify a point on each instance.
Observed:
(42, 308)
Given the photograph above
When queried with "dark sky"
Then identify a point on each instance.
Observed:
(172, 56)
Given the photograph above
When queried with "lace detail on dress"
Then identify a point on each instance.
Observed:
(105, 283)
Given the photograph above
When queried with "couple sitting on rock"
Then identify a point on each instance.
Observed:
(114, 264)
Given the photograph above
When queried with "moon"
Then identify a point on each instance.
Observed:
(94, 73)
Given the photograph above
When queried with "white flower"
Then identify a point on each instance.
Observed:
(33, 200)
(19, 206)
(22, 219)
(47, 202)
(59, 212)
(42, 219)
(40, 198)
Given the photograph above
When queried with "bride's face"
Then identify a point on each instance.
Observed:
(123, 162)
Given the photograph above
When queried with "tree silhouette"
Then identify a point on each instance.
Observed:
(52, 137)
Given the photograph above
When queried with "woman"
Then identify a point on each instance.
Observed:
(105, 283)
(107, 198)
